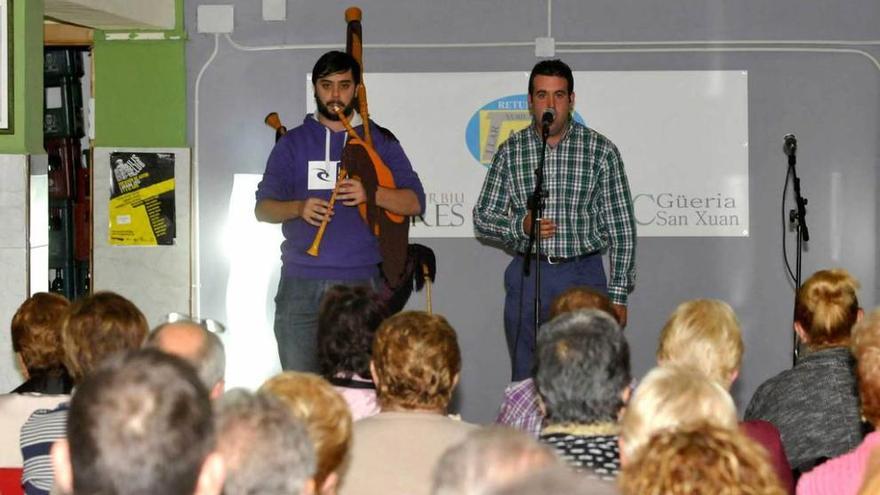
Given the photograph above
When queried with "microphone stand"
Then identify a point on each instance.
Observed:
(798, 218)
(536, 208)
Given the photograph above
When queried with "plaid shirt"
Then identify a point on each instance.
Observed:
(589, 200)
(521, 409)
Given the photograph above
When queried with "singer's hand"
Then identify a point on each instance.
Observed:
(315, 209)
(351, 192)
(548, 227)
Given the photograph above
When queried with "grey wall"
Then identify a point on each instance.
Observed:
(830, 100)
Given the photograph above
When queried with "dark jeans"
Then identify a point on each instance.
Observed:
(519, 302)
(296, 319)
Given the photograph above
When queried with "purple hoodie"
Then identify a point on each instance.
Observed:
(349, 251)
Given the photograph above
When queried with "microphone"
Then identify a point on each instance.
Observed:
(547, 117)
(790, 145)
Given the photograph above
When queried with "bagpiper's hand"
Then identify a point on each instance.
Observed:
(351, 192)
(315, 209)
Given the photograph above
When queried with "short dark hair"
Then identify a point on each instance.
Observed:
(554, 67)
(347, 322)
(140, 423)
(582, 367)
(335, 62)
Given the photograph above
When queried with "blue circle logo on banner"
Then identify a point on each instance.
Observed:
(492, 124)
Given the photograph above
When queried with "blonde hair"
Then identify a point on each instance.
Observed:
(417, 360)
(703, 334)
(866, 350)
(315, 402)
(827, 308)
(672, 398)
(704, 459)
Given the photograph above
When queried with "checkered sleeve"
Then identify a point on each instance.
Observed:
(618, 213)
(492, 216)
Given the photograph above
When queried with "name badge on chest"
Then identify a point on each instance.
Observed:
(322, 174)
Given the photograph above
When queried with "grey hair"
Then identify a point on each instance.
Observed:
(210, 359)
(488, 458)
(266, 449)
(558, 481)
(583, 367)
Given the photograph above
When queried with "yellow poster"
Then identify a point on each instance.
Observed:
(142, 199)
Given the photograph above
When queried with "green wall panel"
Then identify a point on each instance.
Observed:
(27, 86)
(140, 93)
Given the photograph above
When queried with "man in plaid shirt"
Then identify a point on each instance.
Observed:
(588, 210)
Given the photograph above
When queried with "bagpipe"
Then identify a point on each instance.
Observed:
(405, 267)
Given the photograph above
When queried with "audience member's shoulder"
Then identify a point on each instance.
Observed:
(50, 414)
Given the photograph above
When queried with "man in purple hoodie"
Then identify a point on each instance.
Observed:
(295, 191)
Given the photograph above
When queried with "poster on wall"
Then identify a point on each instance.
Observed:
(142, 199)
(683, 136)
(6, 67)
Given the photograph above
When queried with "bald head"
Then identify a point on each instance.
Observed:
(201, 348)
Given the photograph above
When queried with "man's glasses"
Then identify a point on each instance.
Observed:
(208, 324)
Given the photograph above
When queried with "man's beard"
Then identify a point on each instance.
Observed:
(325, 111)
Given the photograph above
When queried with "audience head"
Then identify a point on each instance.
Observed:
(267, 451)
(416, 362)
(866, 350)
(324, 412)
(557, 481)
(36, 332)
(672, 398)
(826, 308)
(583, 370)
(201, 348)
(140, 423)
(347, 322)
(703, 460)
(98, 326)
(577, 298)
(489, 458)
(703, 334)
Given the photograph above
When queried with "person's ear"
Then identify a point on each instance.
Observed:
(212, 475)
(331, 482)
(860, 314)
(61, 466)
(801, 332)
(373, 373)
(22, 366)
(218, 389)
(733, 376)
(309, 488)
(622, 450)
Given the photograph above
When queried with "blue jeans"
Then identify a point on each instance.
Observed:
(519, 302)
(296, 319)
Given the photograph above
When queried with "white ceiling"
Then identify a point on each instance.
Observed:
(113, 14)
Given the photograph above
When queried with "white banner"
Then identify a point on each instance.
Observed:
(683, 136)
